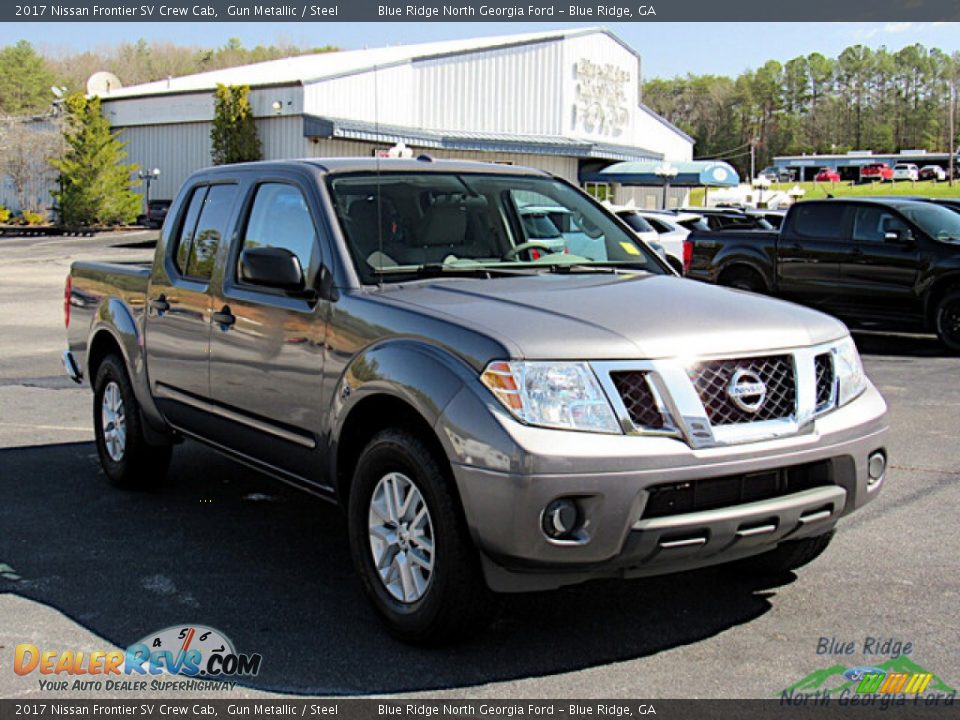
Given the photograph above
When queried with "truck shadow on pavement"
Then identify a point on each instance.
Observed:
(223, 546)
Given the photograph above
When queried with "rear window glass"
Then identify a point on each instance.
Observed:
(211, 227)
(637, 222)
(187, 227)
(819, 220)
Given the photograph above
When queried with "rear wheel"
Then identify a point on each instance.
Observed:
(785, 557)
(410, 545)
(743, 279)
(128, 460)
(947, 320)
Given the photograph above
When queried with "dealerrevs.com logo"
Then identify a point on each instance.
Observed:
(202, 658)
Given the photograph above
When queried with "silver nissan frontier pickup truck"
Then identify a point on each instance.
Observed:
(494, 412)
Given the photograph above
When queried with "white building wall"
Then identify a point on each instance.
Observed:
(389, 94)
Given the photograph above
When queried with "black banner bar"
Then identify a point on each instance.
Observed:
(807, 707)
(578, 11)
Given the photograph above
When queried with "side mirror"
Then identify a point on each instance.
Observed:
(902, 237)
(272, 267)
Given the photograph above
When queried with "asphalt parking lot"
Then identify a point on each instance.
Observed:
(83, 566)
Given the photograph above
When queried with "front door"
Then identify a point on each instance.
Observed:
(179, 304)
(879, 276)
(267, 346)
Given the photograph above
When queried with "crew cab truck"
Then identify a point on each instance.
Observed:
(490, 419)
(884, 263)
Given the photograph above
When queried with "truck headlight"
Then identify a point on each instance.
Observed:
(851, 380)
(563, 395)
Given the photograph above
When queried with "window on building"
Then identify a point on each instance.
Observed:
(600, 191)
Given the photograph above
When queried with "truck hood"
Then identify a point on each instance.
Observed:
(614, 317)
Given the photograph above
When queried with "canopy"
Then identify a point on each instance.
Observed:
(690, 173)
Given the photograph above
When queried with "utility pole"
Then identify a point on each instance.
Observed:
(951, 167)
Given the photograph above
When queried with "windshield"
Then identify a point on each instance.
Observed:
(402, 225)
(936, 220)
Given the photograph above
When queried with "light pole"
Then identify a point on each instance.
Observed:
(952, 166)
(666, 172)
(147, 176)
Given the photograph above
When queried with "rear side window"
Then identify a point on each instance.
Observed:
(819, 220)
(211, 227)
(658, 226)
(279, 218)
(187, 228)
(635, 221)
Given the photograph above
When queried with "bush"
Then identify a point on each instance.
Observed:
(4, 214)
(34, 218)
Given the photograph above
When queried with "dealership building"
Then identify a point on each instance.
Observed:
(568, 102)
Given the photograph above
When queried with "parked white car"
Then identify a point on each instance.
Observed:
(672, 233)
(906, 171)
(933, 172)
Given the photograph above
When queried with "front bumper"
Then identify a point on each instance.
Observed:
(610, 477)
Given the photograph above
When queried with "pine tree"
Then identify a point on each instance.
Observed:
(234, 134)
(95, 186)
(25, 80)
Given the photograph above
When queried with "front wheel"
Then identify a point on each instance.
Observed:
(410, 545)
(947, 320)
(126, 457)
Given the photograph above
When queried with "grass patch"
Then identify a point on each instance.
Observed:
(817, 191)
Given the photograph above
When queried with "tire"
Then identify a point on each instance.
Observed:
(743, 279)
(787, 556)
(947, 320)
(127, 459)
(450, 600)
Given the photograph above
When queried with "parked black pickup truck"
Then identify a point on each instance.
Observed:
(886, 263)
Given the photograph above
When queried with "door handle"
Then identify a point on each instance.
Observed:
(224, 318)
(160, 304)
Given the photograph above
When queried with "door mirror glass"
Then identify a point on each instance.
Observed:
(272, 267)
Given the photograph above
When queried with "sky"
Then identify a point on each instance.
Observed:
(667, 49)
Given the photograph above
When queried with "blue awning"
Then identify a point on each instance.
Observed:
(691, 173)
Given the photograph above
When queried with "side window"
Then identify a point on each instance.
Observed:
(279, 218)
(819, 220)
(187, 227)
(872, 224)
(211, 227)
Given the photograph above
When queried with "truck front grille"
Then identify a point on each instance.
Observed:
(712, 381)
(823, 365)
(695, 495)
(638, 399)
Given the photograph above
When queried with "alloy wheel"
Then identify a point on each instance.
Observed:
(113, 422)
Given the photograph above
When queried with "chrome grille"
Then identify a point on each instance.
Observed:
(711, 379)
(638, 398)
(823, 364)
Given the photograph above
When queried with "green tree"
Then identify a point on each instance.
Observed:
(25, 80)
(95, 186)
(234, 134)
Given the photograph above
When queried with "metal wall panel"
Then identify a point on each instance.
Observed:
(388, 94)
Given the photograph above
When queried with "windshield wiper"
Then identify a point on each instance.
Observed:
(437, 269)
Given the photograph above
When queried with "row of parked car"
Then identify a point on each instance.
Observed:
(881, 172)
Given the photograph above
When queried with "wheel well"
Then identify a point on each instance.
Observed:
(937, 292)
(740, 269)
(103, 344)
(370, 416)
(675, 264)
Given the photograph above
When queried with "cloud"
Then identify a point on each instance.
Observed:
(891, 28)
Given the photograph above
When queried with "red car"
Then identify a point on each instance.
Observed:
(876, 171)
(827, 175)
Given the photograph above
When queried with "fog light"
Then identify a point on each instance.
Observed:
(876, 468)
(560, 518)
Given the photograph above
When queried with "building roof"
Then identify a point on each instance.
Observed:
(302, 69)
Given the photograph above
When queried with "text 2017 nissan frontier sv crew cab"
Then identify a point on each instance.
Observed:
(493, 413)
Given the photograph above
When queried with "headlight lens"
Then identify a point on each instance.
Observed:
(850, 376)
(563, 395)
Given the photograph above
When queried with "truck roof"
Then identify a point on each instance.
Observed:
(424, 163)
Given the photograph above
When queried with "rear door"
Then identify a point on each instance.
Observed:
(811, 249)
(266, 359)
(879, 275)
(179, 303)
